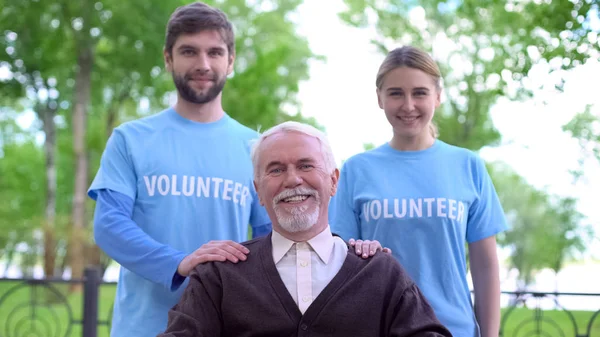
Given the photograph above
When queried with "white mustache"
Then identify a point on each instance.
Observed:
(294, 192)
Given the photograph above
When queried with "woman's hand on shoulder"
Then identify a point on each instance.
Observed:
(367, 248)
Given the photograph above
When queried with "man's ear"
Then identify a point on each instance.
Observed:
(231, 63)
(335, 176)
(259, 197)
(168, 60)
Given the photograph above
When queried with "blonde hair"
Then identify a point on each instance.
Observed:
(415, 58)
(292, 126)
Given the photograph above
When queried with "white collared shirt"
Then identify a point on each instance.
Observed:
(307, 267)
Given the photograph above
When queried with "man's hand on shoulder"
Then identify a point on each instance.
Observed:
(367, 248)
(213, 251)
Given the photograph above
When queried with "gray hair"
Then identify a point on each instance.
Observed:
(292, 126)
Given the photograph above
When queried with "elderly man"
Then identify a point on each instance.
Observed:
(300, 280)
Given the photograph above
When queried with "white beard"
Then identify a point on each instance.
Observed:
(296, 219)
(299, 220)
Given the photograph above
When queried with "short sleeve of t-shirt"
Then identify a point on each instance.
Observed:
(343, 218)
(116, 170)
(258, 214)
(486, 216)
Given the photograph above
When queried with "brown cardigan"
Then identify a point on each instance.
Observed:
(367, 297)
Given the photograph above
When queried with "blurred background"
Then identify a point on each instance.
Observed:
(520, 88)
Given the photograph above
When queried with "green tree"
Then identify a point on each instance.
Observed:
(21, 181)
(544, 230)
(34, 60)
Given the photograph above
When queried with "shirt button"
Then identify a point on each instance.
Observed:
(306, 298)
(304, 263)
(304, 327)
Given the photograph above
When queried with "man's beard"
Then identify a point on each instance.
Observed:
(298, 219)
(187, 93)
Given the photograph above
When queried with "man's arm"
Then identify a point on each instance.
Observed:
(414, 317)
(197, 313)
(486, 285)
(124, 241)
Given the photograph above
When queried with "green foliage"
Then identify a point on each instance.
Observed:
(368, 146)
(485, 50)
(271, 60)
(585, 127)
(544, 230)
(21, 185)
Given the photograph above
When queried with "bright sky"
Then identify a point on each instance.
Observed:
(341, 96)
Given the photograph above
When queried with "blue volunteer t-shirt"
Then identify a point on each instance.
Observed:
(424, 205)
(189, 183)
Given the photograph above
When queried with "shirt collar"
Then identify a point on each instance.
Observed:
(281, 245)
(322, 244)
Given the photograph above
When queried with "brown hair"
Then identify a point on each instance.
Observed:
(196, 17)
(415, 58)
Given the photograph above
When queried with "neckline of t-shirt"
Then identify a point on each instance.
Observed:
(437, 144)
(193, 124)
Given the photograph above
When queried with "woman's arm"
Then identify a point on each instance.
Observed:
(486, 284)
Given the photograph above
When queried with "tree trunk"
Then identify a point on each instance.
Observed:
(47, 113)
(110, 119)
(82, 100)
(63, 261)
(112, 114)
(9, 257)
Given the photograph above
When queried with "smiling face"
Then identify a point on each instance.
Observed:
(294, 184)
(199, 64)
(409, 98)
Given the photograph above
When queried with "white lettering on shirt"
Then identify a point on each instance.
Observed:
(413, 208)
(189, 186)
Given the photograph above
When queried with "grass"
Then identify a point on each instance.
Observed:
(522, 322)
(51, 317)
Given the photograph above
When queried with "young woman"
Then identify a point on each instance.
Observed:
(425, 199)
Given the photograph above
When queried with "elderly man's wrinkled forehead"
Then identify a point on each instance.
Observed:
(290, 140)
(277, 138)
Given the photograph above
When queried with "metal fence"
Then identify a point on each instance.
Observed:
(41, 307)
(545, 314)
(36, 308)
